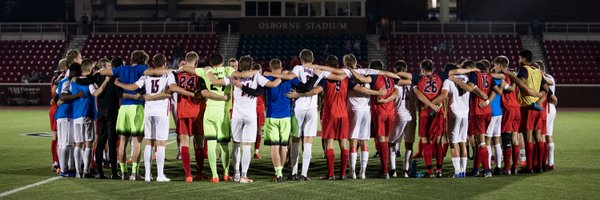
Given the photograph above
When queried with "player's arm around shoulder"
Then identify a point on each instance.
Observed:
(132, 86)
(389, 98)
(294, 95)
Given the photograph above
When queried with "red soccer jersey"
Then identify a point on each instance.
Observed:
(260, 104)
(379, 82)
(510, 99)
(187, 107)
(484, 82)
(430, 85)
(335, 94)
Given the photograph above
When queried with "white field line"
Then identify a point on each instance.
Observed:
(28, 186)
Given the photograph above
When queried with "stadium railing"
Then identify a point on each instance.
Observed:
(153, 27)
(571, 27)
(459, 27)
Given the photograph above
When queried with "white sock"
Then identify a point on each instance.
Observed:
(306, 156)
(77, 156)
(236, 157)
(86, 160)
(456, 164)
(148, 160)
(62, 158)
(407, 157)
(160, 160)
(392, 157)
(463, 164)
(294, 154)
(551, 154)
(246, 160)
(489, 149)
(364, 160)
(499, 158)
(353, 156)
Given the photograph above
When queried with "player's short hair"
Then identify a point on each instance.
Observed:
(527, 55)
(74, 70)
(139, 57)
(460, 61)
(257, 66)
(332, 61)
(449, 67)
(245, 63)
(542, 66)
(468, 64)
(159, 60)
(427, 65)
(117, 62)
(481, 66)
(486, 63)
(400, 66)
(306, 56)
(216, 59)
(191, 57)
(275, 64)
(179, 60)
(501, 60)
(62, 64)
(102, 61)
(231, 60)
(71, 55)
(87, 65)
(376, 64)
(349, 60)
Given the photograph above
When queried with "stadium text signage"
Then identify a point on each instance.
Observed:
(297, 25)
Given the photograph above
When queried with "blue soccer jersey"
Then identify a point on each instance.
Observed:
(83, 106)
(496, 104)
(130, 74)
(277, 104)
(65, 110)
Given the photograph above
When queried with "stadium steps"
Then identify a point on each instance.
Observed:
(77, 42)
(534, 46)
(228, 45)
(374, 52)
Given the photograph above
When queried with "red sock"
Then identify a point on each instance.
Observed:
(507, 153)
(344, 162)
(516, 151)
(384, 156)
(330, 157)
(536, 157)
(199, 154)
(483, 157)
(427, 156)
(544, 155)
(53, 149)
(529, 155)
(540, 151)
(257, 143)
(185, 159)
(439, 156)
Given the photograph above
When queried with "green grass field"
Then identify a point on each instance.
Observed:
(25, 160)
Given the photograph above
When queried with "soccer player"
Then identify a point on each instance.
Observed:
(130, 120)
(494, 129)
(260, 118)
(83, 121)
(403, 117)
(243, 119)
(58, 75)
(551, 114)
(306, 113)
(64, 119)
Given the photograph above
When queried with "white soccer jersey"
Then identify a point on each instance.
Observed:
(459, 104)
(303, 74)
(402, 103)
(244, 105)
(155, 85)
(357, 101)
(552, 107)
(361, 71)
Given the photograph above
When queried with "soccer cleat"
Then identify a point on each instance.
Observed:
(428, 175)
(189, 179)
(353, 175)
(101, 176)
(342, 178)
(200, 177)
(393, 173)
(87, 175)
(245, 180)
(439, 174)
(550, 167)
(304, 178)
(327, 178)
(405, 174)
(279, 179)
(293, 177)
(497, 171)
(474, 172)
(72, 173)
(115, 177)
(487, 174)
(506, 172)
(257, 156)
(162, 179)
(62, 174)
(363, 176)
(148, 178)
(236, 177)
(457, 175)
(525, 171)
(463, 174)
(55, 168)
(214, 180)
(124, 176)
(226, 178)
(78, 175)
(134, 177)
(385, 176)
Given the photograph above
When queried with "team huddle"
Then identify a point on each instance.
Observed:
(481, 109)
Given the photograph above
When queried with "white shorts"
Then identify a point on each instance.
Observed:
(360, 124)
(156, 127)
(64, 127)
(495, 127)
(398, 131)
(244, 129)
(83, 130)
(459, 129)
(550, 123)
(307, 122)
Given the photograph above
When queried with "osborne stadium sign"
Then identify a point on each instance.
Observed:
(297, 25)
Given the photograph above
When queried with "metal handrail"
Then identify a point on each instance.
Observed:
(456, 27)
(152, 27)
(571, 27)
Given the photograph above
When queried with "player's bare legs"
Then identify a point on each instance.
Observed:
(122, 156)
(199, 154)
(136, 151)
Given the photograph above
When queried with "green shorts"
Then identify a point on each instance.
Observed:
(277, 131)
(130, 121)
(217, 125)
(295, 128)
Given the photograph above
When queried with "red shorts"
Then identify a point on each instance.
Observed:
(431, 126)
(478, 124)
(382, 124)
(511, 119)
(51, 114)
(186, 126)
(530, 119)
(260, 119)
(335, 128)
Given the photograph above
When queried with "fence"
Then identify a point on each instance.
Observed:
(153, 27)
(459, 27)
(560, 27)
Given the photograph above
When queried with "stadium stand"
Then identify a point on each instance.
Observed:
(21, 57)
(443, 48)
(121, 45)
(265, 47)
(574, 62)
